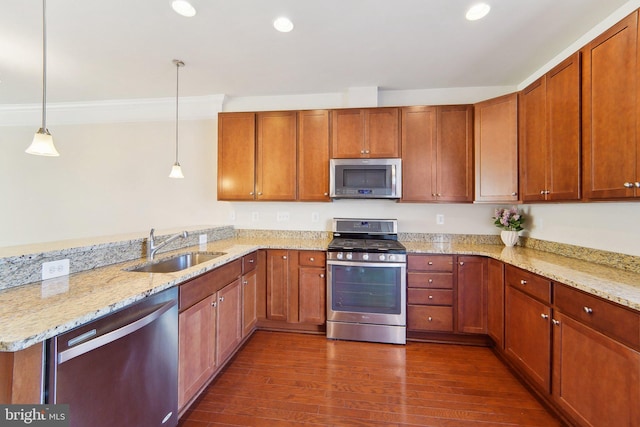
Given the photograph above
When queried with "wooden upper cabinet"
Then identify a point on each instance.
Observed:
(276, 157)
(437, 153)
(610, 109)
(313, 155)
(549, 134)
(419, 154)
(236, 156)
(496, 149)
(454, 144)
(365, 132)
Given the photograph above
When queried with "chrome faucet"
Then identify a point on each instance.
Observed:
(152, 248)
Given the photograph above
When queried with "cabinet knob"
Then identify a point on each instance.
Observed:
(430, 296)
(312, 259)
(213, 304)
(555, 322)
(244, 282)
(326, 194)
(361, 151)
(461, 262)
(638, 184)
(588, 310)
(251, 193)
(523, 282)
(439, 194)
(430, 263)
(251, 261)
(284, 257)
(544, 316)
(366, 151)
(429, 318)
(221, 299)
(322, 275)
(629, 185)
(430, 280)
(514, 193)
(433, 194)
(259, 193)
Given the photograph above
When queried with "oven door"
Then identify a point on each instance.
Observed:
(366, 292)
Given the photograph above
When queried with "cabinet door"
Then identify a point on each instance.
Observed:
(312, 295)
(276, 161)
(278, 284)
(563, 112)
(533, 141)
(382, 132)
(197, 343)
(528, 336)
(347, 133)
(610, 111)
(595, 379)
(472, 295)
(236, 156)
(313, 155)
(419, 154)
(495, 301)
(454, 182)
(496, 149)
(249, 302)
(229, 328)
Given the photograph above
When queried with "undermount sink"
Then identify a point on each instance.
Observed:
(176, 263)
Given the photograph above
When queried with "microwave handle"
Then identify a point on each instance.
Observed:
(393, 179)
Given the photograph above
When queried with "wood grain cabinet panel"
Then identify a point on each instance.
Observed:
(496, 149)
(365, 132)
(313, 156)
(610, 110)
(278, 279)
(472, 295)
(596, 380)
(236, 156)
(430, 318)
(549, 135)
(229, 323)
(437, 153)
(249, 302)
(276, 156)
(530, 283)
(495, 301)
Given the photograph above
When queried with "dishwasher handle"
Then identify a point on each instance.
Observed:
(87, 346)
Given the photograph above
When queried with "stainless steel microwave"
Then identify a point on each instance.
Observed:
(365, 178)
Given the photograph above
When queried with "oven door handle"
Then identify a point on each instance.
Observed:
(367, 264)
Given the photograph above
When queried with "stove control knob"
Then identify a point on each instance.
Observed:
(365, 256)
(339, 255)
(381, 257)
(349, 256)
(392, 257)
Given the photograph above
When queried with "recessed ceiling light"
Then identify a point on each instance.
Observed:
(478, 11)
(282, 24)
(183, 7)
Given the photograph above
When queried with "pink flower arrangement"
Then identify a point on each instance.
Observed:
(508, 219)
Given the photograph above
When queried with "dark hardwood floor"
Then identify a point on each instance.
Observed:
(287, 379)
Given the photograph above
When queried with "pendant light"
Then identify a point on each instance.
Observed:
(42, 144)
(176, 170)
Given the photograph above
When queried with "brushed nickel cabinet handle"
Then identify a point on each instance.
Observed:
(321, 275)
(245, 282)
(213, 304)
(251, 193)
(523, 282)
(461, 262)
(514, 193)
(555, 322)
(544, 316)
(588, 310)
(221, 299)
(251, 261)
(312, 259)
(429, 318)
(430, 263)
(629, 185)
(638, 184)
(430, 296)
(284, 257)
(366, 151)
(430, 280)
(326, 194)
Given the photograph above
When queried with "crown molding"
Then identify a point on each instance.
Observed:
(113, 111)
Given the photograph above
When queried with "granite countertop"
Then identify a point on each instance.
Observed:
(32, 313)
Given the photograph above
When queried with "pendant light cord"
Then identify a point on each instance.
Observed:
(44, 66)
(177, 92)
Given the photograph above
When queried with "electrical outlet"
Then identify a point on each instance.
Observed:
(255, 216)
(315, 217)
(202, 239)
(55, 269)
(439, 219)
(282, 216)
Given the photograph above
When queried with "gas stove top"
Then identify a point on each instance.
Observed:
(366, 245)
(366, 240)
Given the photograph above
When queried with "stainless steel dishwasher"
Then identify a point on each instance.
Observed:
(122, 369)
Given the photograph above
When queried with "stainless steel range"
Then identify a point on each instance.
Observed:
(366, 281)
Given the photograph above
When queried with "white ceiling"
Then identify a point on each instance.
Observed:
(123, 49)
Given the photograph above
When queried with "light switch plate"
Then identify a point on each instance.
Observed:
(439, 219)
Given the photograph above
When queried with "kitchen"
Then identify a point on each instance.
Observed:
(128, 191)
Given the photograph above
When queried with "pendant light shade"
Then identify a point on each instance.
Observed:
(42, 144)
(176, 170)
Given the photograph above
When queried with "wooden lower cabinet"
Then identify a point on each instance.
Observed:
(312, 287)
(228, 325)
(472, 295)
(495, 301)
(249, 302)
(528, 336)
(278, 285)
(596, 380)
(21, 376)
(197, 348)
(430, 293)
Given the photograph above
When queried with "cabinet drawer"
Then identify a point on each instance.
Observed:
(429, 318)
(429, 296)
(430, 262)
(430, 280)
(249, 262)
(312, 258)
(202, 286)
(529, 283)
(597, 313)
